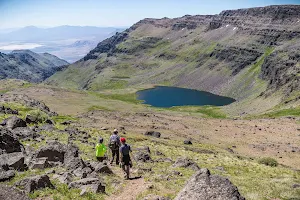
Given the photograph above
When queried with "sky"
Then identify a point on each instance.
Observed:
(111, 13)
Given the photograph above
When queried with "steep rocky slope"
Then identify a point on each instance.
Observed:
(246, 54)
(30, 66)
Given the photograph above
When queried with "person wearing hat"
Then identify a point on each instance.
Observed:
(114, 145)
(125, 150)
(100, 150)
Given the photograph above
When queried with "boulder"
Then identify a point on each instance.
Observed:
(12, 161)
(46, 127)
(9, 143)
(11, 193)
(30, 119)
(153, 134)
(82, 172)
(34, 183)
(88, 184)
(186, 163)
(6, 175)
(204, 186)
(189, 142)
(103, 168)
(14, 122)
(65, 178)
(142, 156)
(39, 163)
(24, 133)
(72, 160)
(54, 152)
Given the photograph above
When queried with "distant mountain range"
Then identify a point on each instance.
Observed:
(68, 42)
(30, 66)
(35, 34)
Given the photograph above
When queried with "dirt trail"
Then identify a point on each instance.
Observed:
(131, 190)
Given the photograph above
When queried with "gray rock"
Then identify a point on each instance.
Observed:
(32, 184)
(9, 143)
(88, 184)
(168, 160)
(295, 186)
(32, 119)
(103, 168)
(153, 134)
(189, 142)
(142, 156)
(24, 133)
(13, 161)
(6, 175)
(39, 163)
(186, 163)
(54, 153)
(204, 186)
(66, 178)
(14, 122)
(11, 193)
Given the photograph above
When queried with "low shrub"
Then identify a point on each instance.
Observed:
(268, 161)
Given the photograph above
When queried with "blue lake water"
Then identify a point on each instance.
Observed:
(162, 96)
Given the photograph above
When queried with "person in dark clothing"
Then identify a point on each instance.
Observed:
(125, 150)
(114, 145)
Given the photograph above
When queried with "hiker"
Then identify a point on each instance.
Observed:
(125, 157)
(100, 150)
(114, 145)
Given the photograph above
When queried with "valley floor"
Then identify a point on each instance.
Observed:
(228, 147)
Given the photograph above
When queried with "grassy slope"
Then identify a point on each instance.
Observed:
(182, 65)
(255, 181)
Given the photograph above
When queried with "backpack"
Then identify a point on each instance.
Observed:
(114, 145)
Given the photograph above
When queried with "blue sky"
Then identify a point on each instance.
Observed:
(49, 13)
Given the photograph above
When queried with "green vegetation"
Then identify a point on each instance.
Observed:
(206, 111)
(130, 97)
(268, 161)
(283, 112)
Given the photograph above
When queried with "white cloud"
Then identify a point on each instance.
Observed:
(20, 46)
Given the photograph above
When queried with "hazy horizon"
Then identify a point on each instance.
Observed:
(117, 13)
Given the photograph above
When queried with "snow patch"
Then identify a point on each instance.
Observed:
(182, 29)
(227, 25)
(234, 28)
(298, 21)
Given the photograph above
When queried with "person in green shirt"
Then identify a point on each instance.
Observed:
(100, 150)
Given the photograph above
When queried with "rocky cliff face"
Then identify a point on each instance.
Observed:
(239, 53)
(30, 66)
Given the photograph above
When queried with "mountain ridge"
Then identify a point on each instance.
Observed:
(30, 66)
(226, 54)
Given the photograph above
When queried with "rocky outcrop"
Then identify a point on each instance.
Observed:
(88, 184)
(204, 186)
(11, 193)
(13, 161)
(27, 101)
(107, 46)
(14, 122)
(29, 66)
(6, 175)
(153, 134)
(237, 58)
(9, 143)
(186, 163)
(32, 184)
